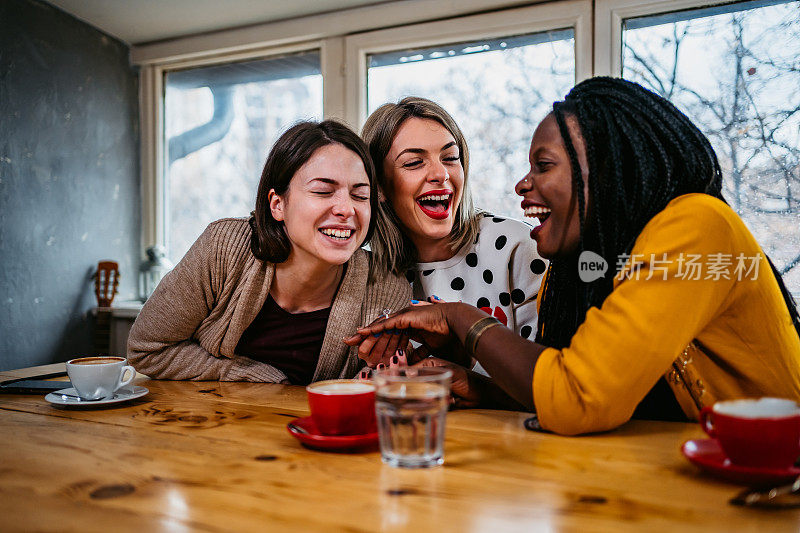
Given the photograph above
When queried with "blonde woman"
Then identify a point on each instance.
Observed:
(448, 250)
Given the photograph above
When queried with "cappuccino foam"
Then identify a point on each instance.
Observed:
(760, 408)
(96, 360)
(346, 387)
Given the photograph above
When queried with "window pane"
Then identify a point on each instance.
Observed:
(734, 71)
(497, 90)
(220, 123)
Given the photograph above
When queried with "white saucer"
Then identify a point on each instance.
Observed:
(122, 395)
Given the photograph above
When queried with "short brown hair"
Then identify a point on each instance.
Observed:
(291, 151)
(391, 248)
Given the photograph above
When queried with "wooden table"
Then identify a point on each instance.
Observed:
(208, 456)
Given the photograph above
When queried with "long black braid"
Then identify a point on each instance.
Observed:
(642, 152)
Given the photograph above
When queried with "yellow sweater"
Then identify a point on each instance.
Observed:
(743, 343)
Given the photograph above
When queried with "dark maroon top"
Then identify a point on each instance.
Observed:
(289, 342)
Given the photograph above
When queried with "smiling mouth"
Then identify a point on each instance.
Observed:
(341, 235)
(537, 211)
(436, 206)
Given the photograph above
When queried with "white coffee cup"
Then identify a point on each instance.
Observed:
(95, 378)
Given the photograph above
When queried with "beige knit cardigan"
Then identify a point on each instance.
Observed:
(190, 326)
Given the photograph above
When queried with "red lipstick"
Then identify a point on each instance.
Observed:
(436, 214)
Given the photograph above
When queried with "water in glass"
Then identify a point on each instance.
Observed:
(411, 419)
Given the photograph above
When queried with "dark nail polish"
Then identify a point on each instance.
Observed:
(401, 352)
(414, 301)
(395, 359)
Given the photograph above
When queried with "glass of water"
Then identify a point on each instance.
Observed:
(411, 404)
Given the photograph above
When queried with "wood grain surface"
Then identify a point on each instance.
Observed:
(209, 456)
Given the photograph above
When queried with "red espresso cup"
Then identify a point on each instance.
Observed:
(762, 432)
(343, 406)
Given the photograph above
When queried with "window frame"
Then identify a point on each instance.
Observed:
(152, 90)
(574, 14)
(609, 16)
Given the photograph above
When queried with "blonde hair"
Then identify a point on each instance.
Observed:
(392, 250)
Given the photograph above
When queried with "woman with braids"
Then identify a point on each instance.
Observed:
(690, 309)
(270, 298)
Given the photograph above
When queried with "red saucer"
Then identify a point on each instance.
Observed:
(708, 455)
(314, 439)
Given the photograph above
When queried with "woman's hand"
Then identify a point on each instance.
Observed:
(441, 328)
(425, 324)
(463, 392)
(400, 358)
(385, 344)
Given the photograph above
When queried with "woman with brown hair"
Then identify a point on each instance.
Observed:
(270, 298)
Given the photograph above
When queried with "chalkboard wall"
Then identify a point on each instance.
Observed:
(69, 185)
